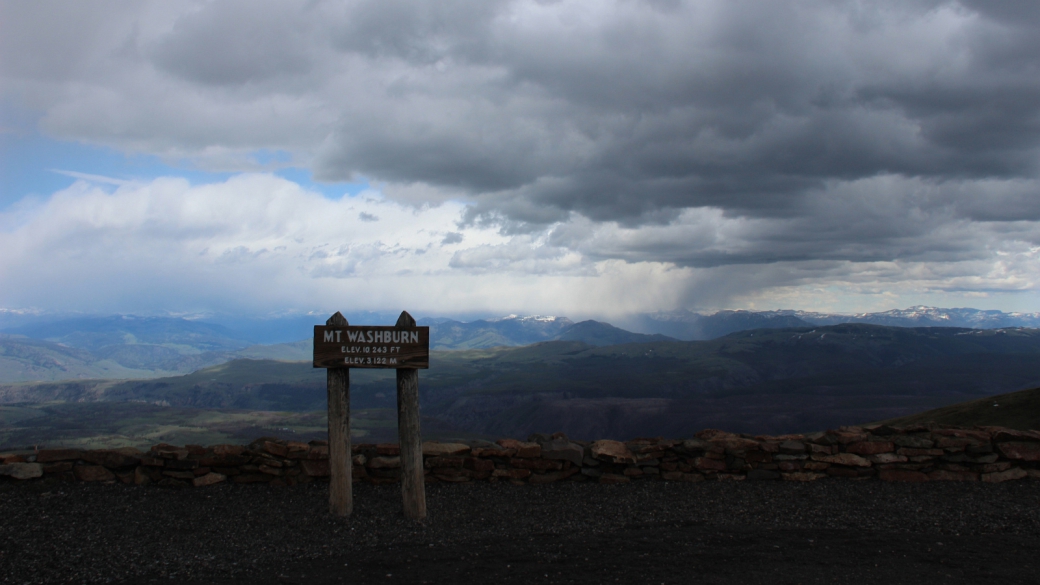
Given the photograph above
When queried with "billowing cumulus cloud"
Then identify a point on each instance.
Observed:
(728, 151)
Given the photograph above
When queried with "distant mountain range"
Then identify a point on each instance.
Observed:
(42, 347)
(131, 347)
(687, 325)
(761, 381)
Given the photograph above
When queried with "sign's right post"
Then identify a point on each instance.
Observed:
(413, 486)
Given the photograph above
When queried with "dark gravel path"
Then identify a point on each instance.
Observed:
(713, 532)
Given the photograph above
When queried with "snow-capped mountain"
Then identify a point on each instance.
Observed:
(684, 324)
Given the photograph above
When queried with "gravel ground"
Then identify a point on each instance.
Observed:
(831, 531)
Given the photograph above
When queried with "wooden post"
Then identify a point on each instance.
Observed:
(413, 486)
(341, 497)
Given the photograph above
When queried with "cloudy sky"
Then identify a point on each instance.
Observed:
(484, 157)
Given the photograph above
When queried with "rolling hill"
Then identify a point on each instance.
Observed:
(1016, 410)
(761, 381)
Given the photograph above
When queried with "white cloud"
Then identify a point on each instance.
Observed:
(532, 156)
(261, 243)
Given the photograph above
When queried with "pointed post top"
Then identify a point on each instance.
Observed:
(405, 320)
(337, 320)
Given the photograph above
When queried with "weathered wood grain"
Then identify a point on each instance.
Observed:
(413, 486)
(341, 497)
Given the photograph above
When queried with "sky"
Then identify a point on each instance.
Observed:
(483, 157)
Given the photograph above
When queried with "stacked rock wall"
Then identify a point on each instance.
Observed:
(919, 453)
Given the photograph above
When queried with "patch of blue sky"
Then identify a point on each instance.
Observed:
(33, 166)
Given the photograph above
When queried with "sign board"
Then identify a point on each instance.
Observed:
(371, 346)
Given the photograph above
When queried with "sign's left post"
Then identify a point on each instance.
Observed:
(341, 494)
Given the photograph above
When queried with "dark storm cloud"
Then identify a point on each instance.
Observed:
(699, 133)
(746, 106)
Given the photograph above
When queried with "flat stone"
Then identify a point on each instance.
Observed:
(912, 441)
(849, 459)
(181, 463)
(313, 468)
(708, 463)
(613, 478)
(769, 446)
(208, 479)
(170, 452)
(386, 462)
(226, 450)
(449, 461)
(995, 467)
(318, 452)
(692, 445)
(901, 475)
(1020, 450)
(1003, 435)
(523, 450)
(388, 449)
(1002, 476)
(870, 447)
(537, 464)
(564, 450)
(539, 478)
(188, 475)
(762, 457)
(980, 436)
(276, 449)
(791, 447)
(735, 443)
(668, 475)
(512, 473)
(297, 446)
(270, 470)
(495, 451)
(920, 452)
(944, 475)
(613, 451)
(802, 476)
(19, 470)
(955, 443)
(59, 467)
(434, 449)
(51, 455)
(888, 458)
(142, 476)
(477, 464)
(847, 437)
(92, 473)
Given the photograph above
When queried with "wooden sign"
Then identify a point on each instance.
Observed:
(370, 346)
(406, 347)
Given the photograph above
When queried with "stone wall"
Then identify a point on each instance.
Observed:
(918, 453)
